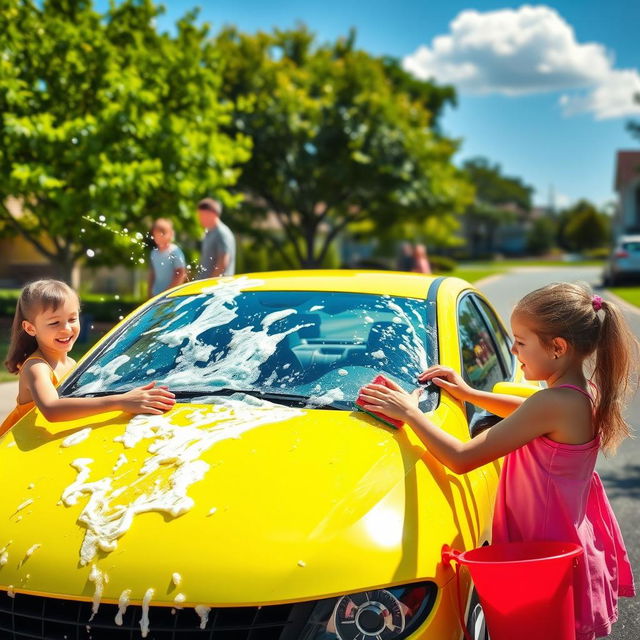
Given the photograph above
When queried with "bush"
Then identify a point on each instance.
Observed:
(442, 264)
(101, 308)
(601, 253)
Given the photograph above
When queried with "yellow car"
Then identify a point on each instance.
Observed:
(263, 506)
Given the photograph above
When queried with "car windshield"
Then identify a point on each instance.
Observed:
(311, 348)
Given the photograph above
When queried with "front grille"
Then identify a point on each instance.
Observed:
(37, 618)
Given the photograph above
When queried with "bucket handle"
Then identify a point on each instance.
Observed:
(450, 555)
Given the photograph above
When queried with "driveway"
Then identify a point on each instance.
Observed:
(8, 393)
(620, 474)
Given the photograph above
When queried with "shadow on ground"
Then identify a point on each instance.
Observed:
(624, 483)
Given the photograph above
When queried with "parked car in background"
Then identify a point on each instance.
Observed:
(624, 261)
(262, 506)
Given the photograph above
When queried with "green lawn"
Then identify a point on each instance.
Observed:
(630, 294)
(479, 270)
(473, 275)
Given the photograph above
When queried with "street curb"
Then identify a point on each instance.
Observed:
(488, 280)
(627, 306)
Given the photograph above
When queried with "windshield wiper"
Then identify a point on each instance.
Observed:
(293, 399)
(289, 398)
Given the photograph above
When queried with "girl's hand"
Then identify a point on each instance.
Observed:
(147, 399)
(394, 402)
(447, 379)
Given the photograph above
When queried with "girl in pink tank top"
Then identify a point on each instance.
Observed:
(548, 487)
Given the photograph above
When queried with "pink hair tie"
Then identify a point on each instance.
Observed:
(596, 302)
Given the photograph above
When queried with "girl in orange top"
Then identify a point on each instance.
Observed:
(45, 327)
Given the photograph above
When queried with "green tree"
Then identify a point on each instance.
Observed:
(583, 227)
(499, 200)
(542, 235)
(339, 138)
(104, 118)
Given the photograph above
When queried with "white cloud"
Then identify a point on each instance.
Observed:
(613, 97)
(527, 50)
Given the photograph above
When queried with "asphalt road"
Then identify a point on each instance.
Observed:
(621, 473)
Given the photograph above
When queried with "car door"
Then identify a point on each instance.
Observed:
(486, 359)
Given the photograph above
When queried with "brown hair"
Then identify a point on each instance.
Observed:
(35, 298)
(162, 222)
(597, 330)
(209, 204)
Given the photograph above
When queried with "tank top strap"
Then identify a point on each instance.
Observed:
(573, 386)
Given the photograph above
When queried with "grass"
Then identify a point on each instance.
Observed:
(471, 274)
(629, 294)
(532, 262)
(479, 270)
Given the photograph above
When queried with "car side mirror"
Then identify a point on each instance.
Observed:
(481, 421)
(523, 390)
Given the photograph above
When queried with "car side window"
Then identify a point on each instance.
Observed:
(501, 338)
(480, 364)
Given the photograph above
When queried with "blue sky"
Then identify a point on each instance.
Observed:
(543, 89)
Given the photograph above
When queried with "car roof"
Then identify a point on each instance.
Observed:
(400, 284)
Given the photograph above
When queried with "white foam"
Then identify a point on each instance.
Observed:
(144, 620)
(26, 503)
(76, 437)
(176, 443)
(123, 603)
(98, 580)
(203, 612)
(105, 374)
(122, 459)
(328, 397)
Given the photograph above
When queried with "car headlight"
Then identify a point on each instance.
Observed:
(381, 614)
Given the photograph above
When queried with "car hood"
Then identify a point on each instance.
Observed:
(228, 504)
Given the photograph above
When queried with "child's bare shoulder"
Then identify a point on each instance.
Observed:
(561, 401)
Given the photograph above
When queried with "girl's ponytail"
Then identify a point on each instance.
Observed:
(22, 345)
(598, 332)
(616, 354)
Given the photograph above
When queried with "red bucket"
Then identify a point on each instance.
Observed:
(525, 588)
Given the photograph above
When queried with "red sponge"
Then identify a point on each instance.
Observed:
(392, 422)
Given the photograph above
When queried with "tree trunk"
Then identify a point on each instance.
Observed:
(63, 269)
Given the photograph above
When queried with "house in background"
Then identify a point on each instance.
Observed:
(627, 184)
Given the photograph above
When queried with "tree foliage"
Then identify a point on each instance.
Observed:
(103, 116)
(583, 226)
(339, 137)
(499, 200)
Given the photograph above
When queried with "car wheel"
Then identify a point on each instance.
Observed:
(476, 623)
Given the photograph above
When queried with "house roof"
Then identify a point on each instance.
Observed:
(627, 168)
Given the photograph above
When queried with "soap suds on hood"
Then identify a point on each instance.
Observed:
(176, 444)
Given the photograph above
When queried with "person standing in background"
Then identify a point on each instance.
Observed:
(405, 259)
(168, 266)
(420, 260)
(218, 256)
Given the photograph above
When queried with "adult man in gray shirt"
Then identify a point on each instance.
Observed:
(218, 257)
